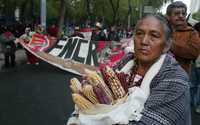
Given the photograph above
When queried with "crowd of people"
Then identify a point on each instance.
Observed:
(10, 32)
(102, 33)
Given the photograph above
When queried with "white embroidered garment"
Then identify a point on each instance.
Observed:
(133, 106)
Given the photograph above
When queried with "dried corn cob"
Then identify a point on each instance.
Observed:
(113, 82)
(75, 85)
(101, 95)
(94, 79)
(124, 80)
(89, 93)
(81, 102)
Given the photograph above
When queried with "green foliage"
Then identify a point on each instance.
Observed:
(76, 10)
(196, 15)
(52, 9)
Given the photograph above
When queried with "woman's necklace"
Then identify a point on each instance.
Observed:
(135, 77)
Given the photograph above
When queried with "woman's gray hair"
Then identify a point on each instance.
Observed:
(167, 29)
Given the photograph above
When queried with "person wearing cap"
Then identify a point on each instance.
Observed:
(98, 34)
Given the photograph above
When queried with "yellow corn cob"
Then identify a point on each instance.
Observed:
(75, 85)
(81, 102)
(89, 93)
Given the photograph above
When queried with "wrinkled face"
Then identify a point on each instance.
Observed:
(149, 40)
(178, 17)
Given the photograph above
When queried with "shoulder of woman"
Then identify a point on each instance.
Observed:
(172, 72)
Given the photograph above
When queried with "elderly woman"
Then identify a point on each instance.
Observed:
(161, 85)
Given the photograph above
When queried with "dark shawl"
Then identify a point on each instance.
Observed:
(169, 99)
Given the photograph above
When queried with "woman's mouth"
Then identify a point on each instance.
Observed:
(144, 51)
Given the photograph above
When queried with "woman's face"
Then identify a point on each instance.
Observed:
(149, 40)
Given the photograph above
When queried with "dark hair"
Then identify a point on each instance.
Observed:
(177, 4)
(167, 29)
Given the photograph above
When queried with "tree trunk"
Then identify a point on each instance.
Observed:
(129, 13)
(88, 7)
(32, 13)
(23, 9)
(62, 16)
(114, 9)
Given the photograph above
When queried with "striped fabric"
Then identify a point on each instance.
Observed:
(168, 102)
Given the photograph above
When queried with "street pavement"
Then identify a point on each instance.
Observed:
(37, 94)
(34, 95)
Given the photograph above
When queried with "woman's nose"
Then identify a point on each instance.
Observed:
(145, 39)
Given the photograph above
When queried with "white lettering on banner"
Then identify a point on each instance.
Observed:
(56, 51)
(84, 48)
(87, 35)
(77, 49)
(74, 50)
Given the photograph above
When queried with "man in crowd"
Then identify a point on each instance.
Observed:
(8, 46)
(98, 33)
(113, 35)
(53, 30)
(186, 42)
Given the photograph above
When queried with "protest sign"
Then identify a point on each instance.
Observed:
(75, 53)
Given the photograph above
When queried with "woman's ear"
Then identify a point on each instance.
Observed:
(167, 46)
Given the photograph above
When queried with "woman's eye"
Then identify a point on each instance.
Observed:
(139, 33)
(155, 35)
